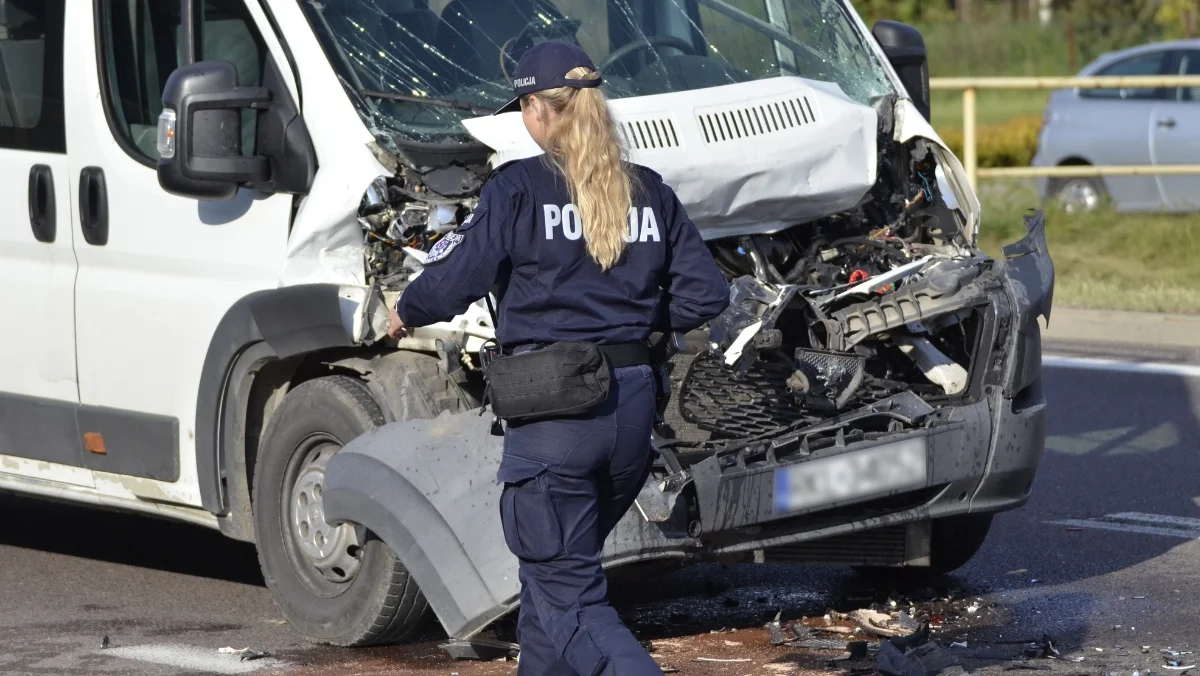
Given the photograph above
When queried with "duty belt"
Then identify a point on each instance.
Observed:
(626, 354)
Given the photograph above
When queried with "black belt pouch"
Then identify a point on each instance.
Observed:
(562, 379)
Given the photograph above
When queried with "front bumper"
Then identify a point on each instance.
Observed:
(427, 487)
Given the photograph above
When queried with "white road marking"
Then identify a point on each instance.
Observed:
(191, 658)
(1098, 364)
(1143, 524)
(1181, 521)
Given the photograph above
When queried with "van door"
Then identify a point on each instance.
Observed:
(156, 272)
(38, 387)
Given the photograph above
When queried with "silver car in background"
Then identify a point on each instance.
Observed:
(1154, 126)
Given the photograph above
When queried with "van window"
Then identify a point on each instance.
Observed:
(1152, 63)
(31, 75)
(142, 45)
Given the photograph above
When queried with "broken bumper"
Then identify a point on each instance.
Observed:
(427, 487)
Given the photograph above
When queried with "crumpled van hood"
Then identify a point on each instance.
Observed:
(771, 154)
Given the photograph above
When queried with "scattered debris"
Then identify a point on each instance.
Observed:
(254, 655)
(960, 644)
(105, 642)
(714, 659)
(232, 651)
(1176, 665)
(1138, 598)
(884, 625)
(926, 659)
(732, 644)
(972, 609)
(776, 631)
(1029, 666)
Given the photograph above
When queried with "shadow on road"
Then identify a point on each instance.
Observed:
(129, 539)
(1117, 443)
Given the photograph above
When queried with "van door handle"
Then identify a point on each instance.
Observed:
(93, 206)
(42, 218)
(1168, 123)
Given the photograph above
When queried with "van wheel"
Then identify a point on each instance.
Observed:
(954, 541)
(337, 585)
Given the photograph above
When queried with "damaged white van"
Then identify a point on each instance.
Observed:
(225, 195)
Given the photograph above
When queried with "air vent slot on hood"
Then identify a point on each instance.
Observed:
(650, 134)
(759, 120)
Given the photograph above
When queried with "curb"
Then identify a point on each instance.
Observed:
(1073, 325)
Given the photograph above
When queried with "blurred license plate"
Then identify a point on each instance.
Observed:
(851, 475)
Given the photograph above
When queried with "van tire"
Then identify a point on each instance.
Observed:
(379, 603)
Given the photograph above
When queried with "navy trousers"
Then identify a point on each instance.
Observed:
(567, 484)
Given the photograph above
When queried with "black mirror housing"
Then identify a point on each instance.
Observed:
(905, 50)
(208, 161)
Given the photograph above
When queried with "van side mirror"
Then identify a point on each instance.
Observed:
(200, 135)
(905, 49)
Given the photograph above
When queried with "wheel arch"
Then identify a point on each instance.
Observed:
(268, 343)
(263, 333)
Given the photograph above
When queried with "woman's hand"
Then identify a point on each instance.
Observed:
(396, 327)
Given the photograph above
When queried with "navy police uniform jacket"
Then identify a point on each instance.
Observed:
(526, 237)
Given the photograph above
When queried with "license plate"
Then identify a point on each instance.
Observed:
(845, 477)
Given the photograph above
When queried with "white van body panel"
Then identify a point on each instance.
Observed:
(326, 242)
(148, 302)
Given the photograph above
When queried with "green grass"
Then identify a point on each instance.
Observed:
(991, 107)
(1105, 260)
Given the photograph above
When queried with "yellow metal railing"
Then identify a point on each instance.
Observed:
(971, 85)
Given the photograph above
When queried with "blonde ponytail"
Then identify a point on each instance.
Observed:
(583, 144)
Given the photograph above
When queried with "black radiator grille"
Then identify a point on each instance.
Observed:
(716, 399)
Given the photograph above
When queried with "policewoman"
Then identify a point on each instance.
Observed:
(584, 250)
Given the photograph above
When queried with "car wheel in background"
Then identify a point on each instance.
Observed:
(1078, 195)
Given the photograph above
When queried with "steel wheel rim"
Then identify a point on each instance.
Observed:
(326, 558)
(1079, 196)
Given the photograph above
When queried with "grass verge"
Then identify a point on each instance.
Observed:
(992, 106)
(1104, 260)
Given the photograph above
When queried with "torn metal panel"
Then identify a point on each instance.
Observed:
(910, 126)
(325, 243)
(733, 177)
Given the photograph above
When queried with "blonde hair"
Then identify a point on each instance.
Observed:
(584, 145)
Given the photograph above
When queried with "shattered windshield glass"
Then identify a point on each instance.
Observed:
(417, 68)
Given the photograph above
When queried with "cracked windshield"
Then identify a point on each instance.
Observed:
(416, 68)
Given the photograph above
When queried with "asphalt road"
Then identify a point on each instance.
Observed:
(1105, 554)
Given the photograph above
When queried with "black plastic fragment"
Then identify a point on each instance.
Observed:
(482, 649)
